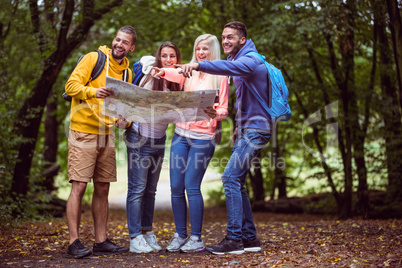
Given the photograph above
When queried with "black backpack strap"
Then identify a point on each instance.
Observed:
(100, 64)
(96, 71)
(126, 75)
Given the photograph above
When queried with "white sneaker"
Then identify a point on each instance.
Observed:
(139, 245)
(176, 242)
(151, 240)
(194, 244)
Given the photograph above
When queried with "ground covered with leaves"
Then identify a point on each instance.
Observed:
(288, 240)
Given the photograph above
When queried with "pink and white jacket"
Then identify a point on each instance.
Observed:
(196, 83)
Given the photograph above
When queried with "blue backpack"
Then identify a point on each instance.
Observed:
(137, 68)
(278, 93)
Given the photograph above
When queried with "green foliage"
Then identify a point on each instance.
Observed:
(292, 34)
(216, 197)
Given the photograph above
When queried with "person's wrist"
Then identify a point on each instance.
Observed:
(128, 125)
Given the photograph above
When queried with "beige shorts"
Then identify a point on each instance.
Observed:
(91, 156)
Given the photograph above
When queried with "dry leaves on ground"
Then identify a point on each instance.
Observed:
(287, 241)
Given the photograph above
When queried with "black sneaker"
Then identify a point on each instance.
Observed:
(252, 245)
(77, 250)
(107, 248)
(227, 245)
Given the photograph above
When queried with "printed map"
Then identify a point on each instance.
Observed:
(145, 106)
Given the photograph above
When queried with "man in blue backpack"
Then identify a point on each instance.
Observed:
(252, 133)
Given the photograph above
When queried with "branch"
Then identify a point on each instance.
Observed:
(36, 25)
(88, 21)
(3, 34)
(65, 24)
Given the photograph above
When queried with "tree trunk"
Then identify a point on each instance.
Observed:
(344, 78)
(280, 176)
(358, 135)
(51, 143)
(390, 110)
(31, 112)
(363, 202)
(332, 119)
(347, 157)
(256, 179)
(354, 138)
(28, 127)
(395, 25)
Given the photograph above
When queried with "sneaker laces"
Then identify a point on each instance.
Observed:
(152, 236)
(192, 241)
(79, 245)
(175, 240)
(110, 242)
(142, 241)
(223, 241)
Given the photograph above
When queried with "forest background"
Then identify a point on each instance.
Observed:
(341, 61)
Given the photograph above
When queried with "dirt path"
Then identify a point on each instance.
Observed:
(287, 241)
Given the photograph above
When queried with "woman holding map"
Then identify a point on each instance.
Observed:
(193, 146)
(145, 151)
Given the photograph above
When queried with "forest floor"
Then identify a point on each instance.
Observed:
(288, 240)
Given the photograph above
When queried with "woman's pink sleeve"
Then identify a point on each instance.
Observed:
(172, 75)
(222, 108)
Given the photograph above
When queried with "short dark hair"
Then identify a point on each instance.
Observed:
(129, 30)
(239, 26)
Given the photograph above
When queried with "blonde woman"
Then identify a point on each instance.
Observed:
(193, 146)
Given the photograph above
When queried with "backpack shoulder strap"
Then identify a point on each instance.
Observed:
(96, 71)
(256, 54)
(126, 75)
(262, 58)
(137, 68)
(100, 64)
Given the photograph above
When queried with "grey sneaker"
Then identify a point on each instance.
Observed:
(152, 241)
(176, 242)
(194, 244)
(139, 245)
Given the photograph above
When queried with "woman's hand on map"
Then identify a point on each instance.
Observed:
(211, 112)
(157, 72)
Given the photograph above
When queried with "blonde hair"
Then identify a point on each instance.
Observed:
(213, 81)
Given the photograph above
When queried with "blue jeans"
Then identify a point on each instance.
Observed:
(145, 159)
(189, 158)
(240, 218)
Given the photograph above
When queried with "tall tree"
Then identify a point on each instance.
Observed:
(54, 56)
(390, 108)
(395, 24)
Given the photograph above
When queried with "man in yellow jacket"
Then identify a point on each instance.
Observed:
(91, 142)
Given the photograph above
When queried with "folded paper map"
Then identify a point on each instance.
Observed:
(146, 106)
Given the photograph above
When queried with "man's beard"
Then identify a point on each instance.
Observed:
(118, 57)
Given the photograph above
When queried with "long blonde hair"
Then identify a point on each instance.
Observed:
(213, 81)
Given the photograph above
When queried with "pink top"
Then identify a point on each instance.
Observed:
(196, 83)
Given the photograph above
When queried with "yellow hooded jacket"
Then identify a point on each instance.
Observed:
(86, 110)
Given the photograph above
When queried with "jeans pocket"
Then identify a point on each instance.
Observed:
(132, 138)
(258, 137)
